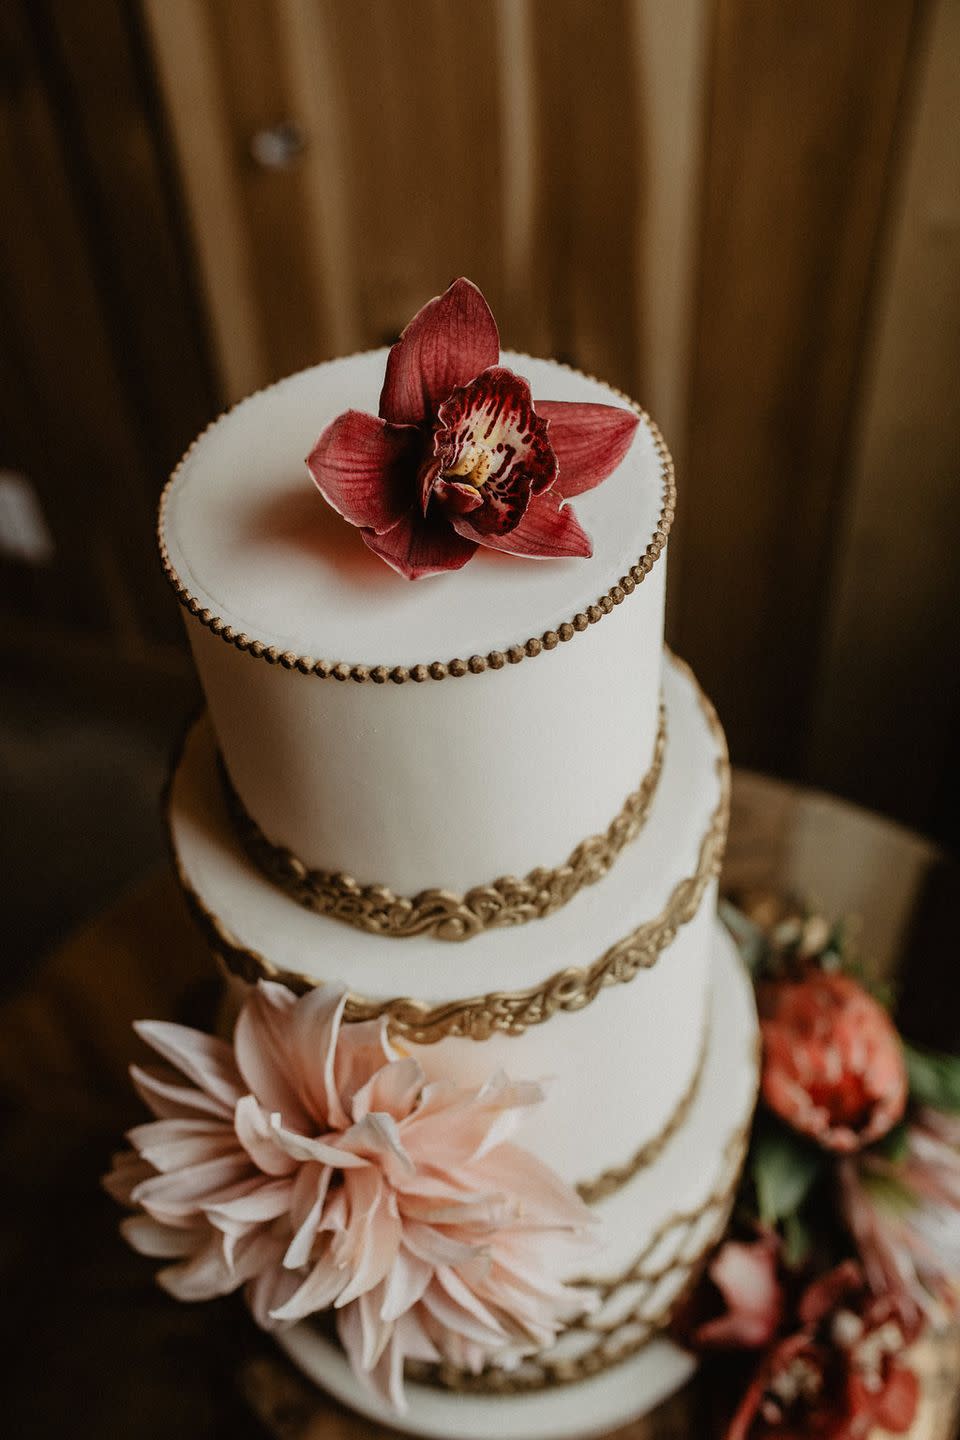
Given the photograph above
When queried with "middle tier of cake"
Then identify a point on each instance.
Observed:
(608, 998)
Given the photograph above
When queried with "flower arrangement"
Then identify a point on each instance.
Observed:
(311, 1164)
(460, 455)
(845, 1242)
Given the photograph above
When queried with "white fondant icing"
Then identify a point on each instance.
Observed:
(620, 1065)
(413, 786)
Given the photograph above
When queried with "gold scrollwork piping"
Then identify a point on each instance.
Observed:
(610, 1181)
(617, 1340)
(444, 914)
(434, 669)
(509, 1012)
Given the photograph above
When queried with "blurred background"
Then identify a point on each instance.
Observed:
(744, 213)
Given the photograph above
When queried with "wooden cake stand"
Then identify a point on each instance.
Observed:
(94, 1349)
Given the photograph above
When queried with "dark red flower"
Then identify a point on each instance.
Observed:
(460, 454)
(738, 1303)
(833, 1065)
(839, 1375)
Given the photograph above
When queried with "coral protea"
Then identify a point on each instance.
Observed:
(460, 454)
(833, 1064)
(311, 1163)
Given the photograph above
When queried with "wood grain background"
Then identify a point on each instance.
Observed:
(746, 214)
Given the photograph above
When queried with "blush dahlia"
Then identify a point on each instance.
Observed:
(460, 454)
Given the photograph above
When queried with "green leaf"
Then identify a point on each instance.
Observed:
(934, 1077)
(894, 1145)
(784, 1168)
(797, 1240)
(748, 937)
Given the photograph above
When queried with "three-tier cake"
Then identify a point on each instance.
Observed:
(492, 806)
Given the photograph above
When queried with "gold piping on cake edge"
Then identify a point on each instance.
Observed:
(443, 914)
(609, 1181)
(504, 1012)
(435, 669)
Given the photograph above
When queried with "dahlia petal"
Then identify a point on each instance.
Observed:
(350, 1333)
(589, 441)
(127, 1173)
(203, 1276)
(205, 1059)
(178, 1143)
(261, 1041)
(421, 545)
(161, 1242)
(317, 1292)
(161, 1092)
(269, 1290)
(366, 469)
(434, 1246)
(376, 1334)
(262, 1201)
(183, 1194)
(259, 1140)
(461, 1321)
(393, 1090)
(548, 530)
(546, 1199)
(303, 1148)
(363, 1048)
(377, 1138)
(406, 1282)
(464, 1296)
(449, 341)
(314, 1036)
(381, 1244)
(306, 1207)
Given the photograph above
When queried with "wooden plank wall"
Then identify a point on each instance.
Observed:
(744, 213)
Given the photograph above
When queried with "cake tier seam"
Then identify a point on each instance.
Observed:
(457, 667)
(507, 1012)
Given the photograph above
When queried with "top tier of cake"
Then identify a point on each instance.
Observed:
(310, 649)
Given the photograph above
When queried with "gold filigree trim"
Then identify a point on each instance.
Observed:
(697, 1232)
(444, 914)
(509, 1012)
(434, 669)
(610, 1181)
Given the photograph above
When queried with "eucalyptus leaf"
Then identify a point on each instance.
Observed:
(748, 937)
(894, 1145)
(934, 1077)
(784, 1168)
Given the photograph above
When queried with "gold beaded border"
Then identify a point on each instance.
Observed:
(444, 914)
(618, 1340)
(506, 1012)
(434, 669)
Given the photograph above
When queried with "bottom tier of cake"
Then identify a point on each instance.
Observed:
(614, 1366)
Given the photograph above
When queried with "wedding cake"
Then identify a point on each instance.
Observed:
(479, 805)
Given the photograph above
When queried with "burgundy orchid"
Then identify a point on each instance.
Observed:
(460, 455)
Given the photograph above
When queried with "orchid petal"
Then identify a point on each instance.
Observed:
(446, 344)
(421, 545)
(366, 469)
(548, 530)
(589, 441)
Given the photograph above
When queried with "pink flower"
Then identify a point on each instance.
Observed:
(460, 455)
(739, 1303)
(833, 1064)
(905, 1214)
(839, 1375)
(311, 1164)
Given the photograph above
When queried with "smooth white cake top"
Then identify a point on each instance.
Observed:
(251, 539)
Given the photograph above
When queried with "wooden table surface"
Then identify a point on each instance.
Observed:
(93, 1349)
